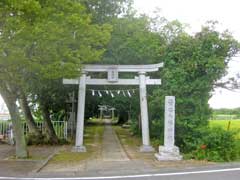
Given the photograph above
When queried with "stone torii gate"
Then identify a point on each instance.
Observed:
(113, 71)
(101, 109)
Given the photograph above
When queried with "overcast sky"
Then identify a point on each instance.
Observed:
(196, 13)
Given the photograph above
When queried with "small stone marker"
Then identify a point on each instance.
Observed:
(169, 151)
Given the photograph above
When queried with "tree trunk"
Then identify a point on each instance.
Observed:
(28, 116)
(10, 100)
(50, 132)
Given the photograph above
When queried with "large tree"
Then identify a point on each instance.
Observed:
(193, 65)
(42, 40)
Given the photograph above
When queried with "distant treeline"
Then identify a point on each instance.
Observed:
(225, 113)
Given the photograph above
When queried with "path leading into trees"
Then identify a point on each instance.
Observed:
(112, 148)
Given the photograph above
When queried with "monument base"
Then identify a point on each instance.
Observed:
(79, 149)
(145, 148)
(168, 154)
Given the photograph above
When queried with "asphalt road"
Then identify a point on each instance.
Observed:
(215, 174)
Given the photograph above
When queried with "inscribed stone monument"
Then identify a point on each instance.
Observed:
(169, 151)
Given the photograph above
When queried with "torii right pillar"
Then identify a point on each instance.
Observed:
(146, 147)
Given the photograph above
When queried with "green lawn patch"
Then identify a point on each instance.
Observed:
(64, 156)
(126, 137)
(92, 139)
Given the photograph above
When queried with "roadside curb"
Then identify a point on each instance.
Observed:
(133, 176)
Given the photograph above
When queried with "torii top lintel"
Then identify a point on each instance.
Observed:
(113, 71)
(122, 68)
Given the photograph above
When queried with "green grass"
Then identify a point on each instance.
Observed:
(92, 138)
(126, 137)
(233, 126)
(65, 156)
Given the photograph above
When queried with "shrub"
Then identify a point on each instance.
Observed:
(157, 128)
(217, 144)
(33, 139)
(134, 126)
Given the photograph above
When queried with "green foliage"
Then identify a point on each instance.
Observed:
(192, 66)
(32, 139)
(217, 144)
(50, 43)
(133, 42)
(134, 127)
(42, 41)
(106, 10)
(157, 128)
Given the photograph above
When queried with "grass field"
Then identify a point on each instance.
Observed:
(233, 125)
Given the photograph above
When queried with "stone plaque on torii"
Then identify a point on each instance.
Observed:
(113, 79)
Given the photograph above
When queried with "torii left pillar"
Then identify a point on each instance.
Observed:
(79, 147)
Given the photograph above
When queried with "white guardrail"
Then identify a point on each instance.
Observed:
(60, 127)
